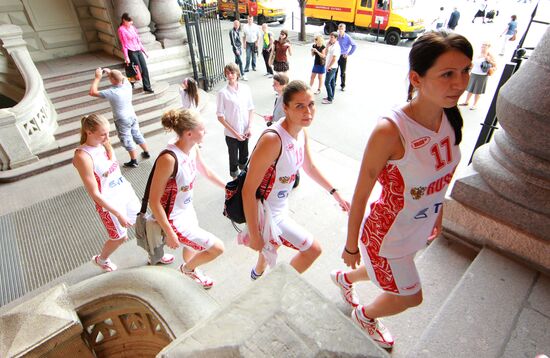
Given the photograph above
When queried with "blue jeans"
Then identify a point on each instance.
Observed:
(330, 83)
(250, 54)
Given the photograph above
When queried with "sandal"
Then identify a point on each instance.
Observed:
(197, 276)
(106, 266)
(463, 104)
(164, 260)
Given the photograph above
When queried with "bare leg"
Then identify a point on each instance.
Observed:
(359, 274)
(261, 264)
(205, 256)
(387, 304)
(311, 80)
(110, 246)
(476, 99)
(320, 81)
(303, 259)
(144, 147)
(468, 96)
(188, 253)
(133, 154)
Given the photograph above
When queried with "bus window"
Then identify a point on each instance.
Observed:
(366, 3)
(382, 4)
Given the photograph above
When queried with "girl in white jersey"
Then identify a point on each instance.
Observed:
(115, 200)
(291, 141)
(413, 152)
(180, 223)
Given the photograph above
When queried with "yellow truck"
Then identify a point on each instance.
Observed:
(393, 19)
(262, 10)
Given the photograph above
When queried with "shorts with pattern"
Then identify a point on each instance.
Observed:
(129, 207)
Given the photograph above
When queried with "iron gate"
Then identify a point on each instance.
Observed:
(204, 36)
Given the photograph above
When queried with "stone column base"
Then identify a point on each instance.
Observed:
(481, 229)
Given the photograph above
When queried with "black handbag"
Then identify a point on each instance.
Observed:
(233, 205)
(132, 72)
(485, 66)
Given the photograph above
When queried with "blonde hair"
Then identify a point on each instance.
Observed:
(180, 120)
(319, 40)
(91, 123)
(116, 75)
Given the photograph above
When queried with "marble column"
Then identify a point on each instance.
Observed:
(510, 185)
(142, 19)
(166, 14)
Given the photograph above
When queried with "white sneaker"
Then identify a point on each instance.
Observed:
(374, 328)
(197, 276)
(244, 78)
(346, 290)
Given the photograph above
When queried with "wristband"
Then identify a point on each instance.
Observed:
(351, 253)
(332, 191)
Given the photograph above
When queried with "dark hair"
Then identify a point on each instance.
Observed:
(285, 32)
(125, 17)
(514, 17)
(425, 51)
(282, 79)
(334, 34)
(192, 90)
(292, 88)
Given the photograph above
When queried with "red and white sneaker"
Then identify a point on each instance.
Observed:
(167, 259)
(346, 289)
(374, 328)
(199, 277)
(106, 265)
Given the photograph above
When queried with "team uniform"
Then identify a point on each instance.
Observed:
(178, 198)
(277, 185)
(115, 189)
(413, 190)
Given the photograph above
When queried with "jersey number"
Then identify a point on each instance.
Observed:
(436, 149)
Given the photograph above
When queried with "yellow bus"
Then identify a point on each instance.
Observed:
(262, 10)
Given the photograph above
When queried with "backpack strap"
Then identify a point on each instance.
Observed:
(278, 156)
(145, 199)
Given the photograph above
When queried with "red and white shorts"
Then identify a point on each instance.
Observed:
(397, 276)
(129, 207)
(294, 235)
(186, 226)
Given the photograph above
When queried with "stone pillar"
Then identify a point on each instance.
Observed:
(142, 18)
(511, 183)
(166, 14)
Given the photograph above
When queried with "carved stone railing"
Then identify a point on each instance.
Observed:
(28, 126)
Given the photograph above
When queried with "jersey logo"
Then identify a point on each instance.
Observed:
(111, 170)
(422, 214)
(418, 192)
(290, 146)
(282, 194)
(187, 201)
(420, 142)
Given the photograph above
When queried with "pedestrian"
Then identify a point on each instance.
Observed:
(235, 110)
(126, 123)
(237, 46)
(267, 48)
(281, 51)
(179, 222)
(481, 11)
(453, 19)
(480, 70)
(133, 49)
(189, 92)
(413, 153)
(115, 200)
(281, 151)
(347, 48)
(251, 39)
(333, 53)
(279, 83)
(439, 21)
(509, 33)
(318, 50)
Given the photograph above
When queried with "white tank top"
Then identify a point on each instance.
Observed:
(112, 185)
(413, 188)
(281, 178)
(179, 190)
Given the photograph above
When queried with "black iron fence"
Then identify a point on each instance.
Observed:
(204, 36)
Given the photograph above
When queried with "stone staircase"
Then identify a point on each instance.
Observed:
(69, 94)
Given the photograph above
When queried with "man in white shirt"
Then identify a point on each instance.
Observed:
(251, 39)
(235, 111)
(333, 54)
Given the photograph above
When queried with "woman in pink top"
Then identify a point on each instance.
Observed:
(133, 49)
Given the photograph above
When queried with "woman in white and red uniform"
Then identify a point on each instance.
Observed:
(291, 141)
(176, 194)
(115, 200)
(413, 153)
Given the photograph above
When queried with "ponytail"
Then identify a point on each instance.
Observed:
(90, 123)
(455, 118)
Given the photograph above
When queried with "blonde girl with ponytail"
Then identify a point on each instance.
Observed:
(179, 221)
(115, 200)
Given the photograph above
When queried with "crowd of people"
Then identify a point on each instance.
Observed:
(379, 246)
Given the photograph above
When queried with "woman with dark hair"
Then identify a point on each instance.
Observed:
(175, 192)
(281, 151)
(133, 49)
(413, 153)
(280, 53)
(189, 93)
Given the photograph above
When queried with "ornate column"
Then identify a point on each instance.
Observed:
(142, 18)
(506, 202)
(166, 14)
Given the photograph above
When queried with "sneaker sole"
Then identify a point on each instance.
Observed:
(335, 281)
(358, 322)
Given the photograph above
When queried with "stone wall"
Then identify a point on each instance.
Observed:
(99, 25)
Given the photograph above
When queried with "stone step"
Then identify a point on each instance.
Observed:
(480, 313)
(75, 92)
(85, 100)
